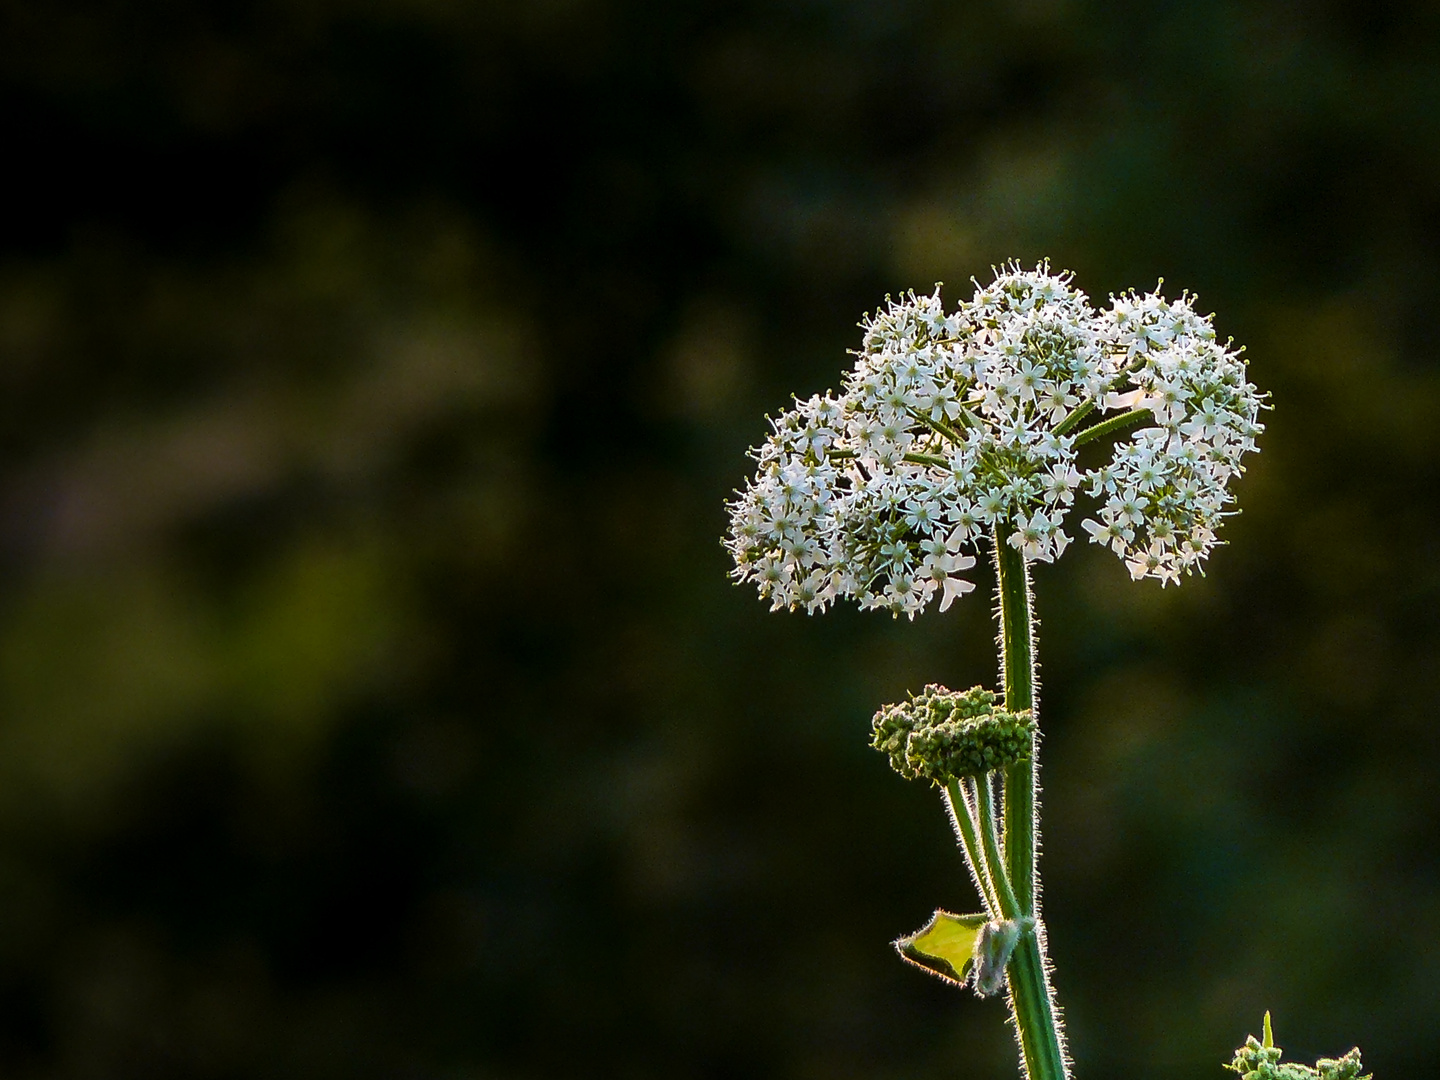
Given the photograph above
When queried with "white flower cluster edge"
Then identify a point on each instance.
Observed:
(952, 425)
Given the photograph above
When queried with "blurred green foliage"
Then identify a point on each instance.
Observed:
(372, 375)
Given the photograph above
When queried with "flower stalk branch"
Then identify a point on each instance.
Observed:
(1111, 426)
(964, 815)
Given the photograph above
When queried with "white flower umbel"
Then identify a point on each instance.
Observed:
(950, 426)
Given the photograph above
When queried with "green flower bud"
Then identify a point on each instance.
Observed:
(1345, 1068)
(1258, 1060)
(993, 949)
(942, 735)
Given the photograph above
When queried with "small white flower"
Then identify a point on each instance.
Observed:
(954, 587)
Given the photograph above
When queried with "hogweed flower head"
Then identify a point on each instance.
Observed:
(1260, 1060)
(942, 735)
(951, 425)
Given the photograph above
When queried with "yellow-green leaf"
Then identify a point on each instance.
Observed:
(945, 946)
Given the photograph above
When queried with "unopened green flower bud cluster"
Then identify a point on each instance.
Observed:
(1258, 1060)
(944, 735)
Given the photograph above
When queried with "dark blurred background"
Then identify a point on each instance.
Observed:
(373, 702)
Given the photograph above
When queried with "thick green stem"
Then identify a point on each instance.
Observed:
(1017, 660)
(1036, 1021)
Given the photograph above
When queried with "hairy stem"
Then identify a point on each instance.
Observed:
(1036, 1021)
(1114, 424)
(1000, 880)
(1073, 418)
(962, 815)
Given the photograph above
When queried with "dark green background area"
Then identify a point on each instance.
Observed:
(373, 702)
